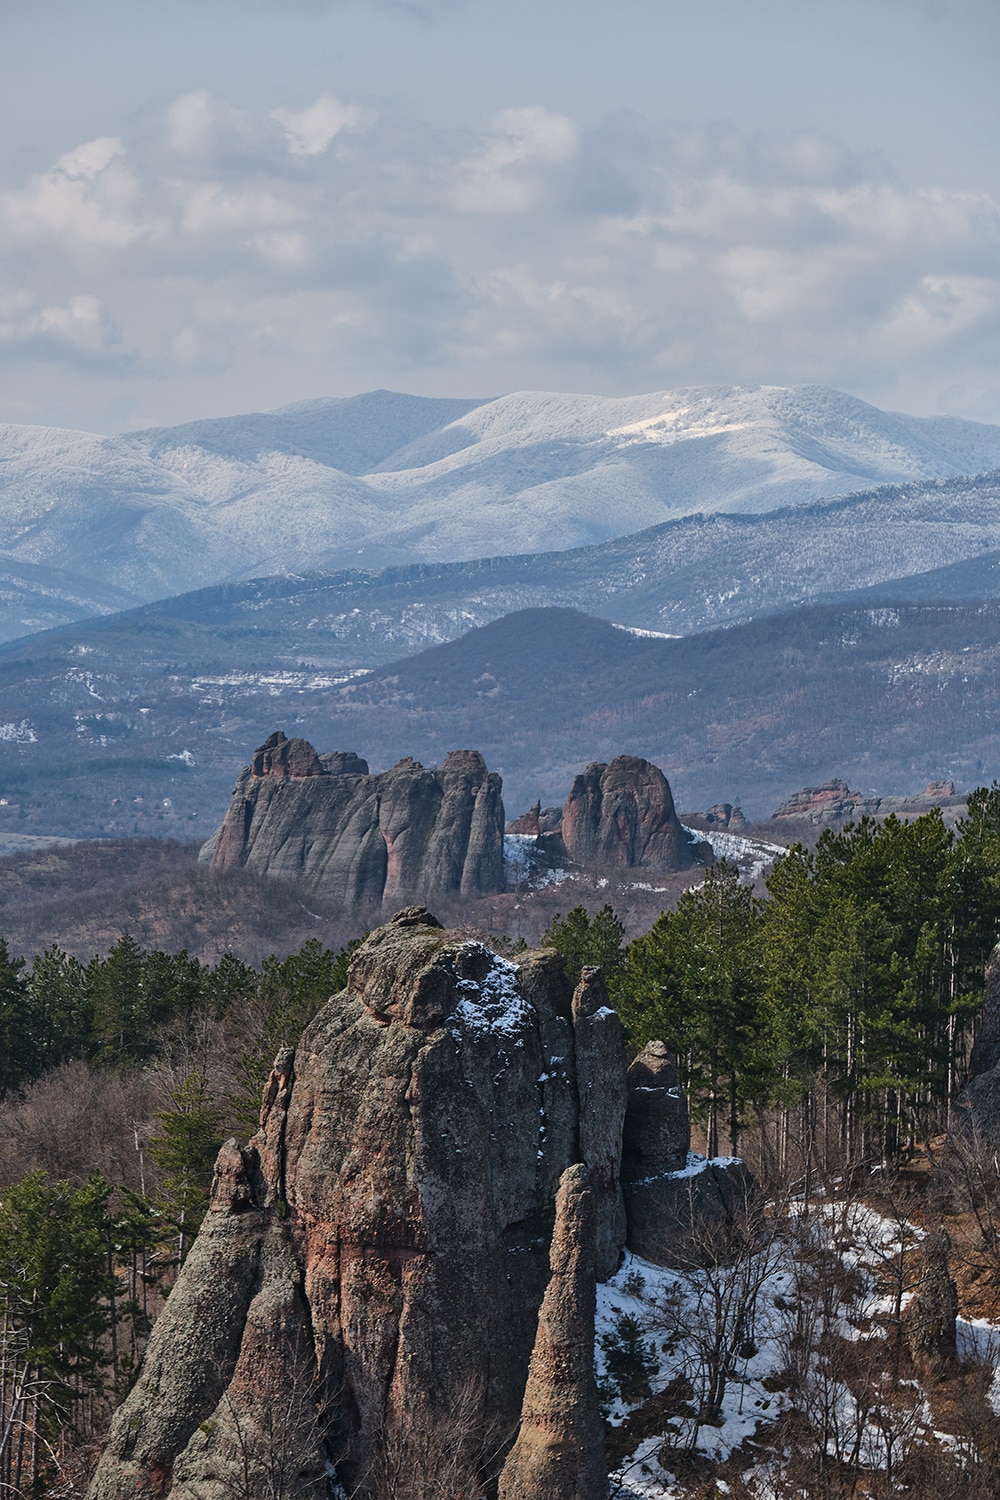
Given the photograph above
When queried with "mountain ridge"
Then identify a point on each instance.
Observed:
(152, 513)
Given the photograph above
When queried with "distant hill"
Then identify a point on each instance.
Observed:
(674, 578)
(384, 479)
(125, 733)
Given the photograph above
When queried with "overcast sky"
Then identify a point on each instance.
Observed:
(209, 206)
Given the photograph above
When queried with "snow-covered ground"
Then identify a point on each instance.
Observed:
(753, 856)
(681, 1313)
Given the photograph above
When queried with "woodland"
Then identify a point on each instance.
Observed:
(822, 1026)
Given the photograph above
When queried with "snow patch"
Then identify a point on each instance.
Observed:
(494, 1004)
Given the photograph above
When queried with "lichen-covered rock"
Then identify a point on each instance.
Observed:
(373, 1265)
(559, 1452)
(621, 816)
(364, 840)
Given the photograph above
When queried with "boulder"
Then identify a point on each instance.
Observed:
(369, 1277)
(690, 1217)
(621, 816)
(559, 1452)
(365, 841)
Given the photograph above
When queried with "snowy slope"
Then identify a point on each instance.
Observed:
(384, 478)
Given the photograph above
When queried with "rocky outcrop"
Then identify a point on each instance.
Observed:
(600, 1080)
(621, 816)
(369, 1277)
(365, 841)
(834, 802)
(559, 1452)
(725, 815)
(657, 1134)
(678, 1206)
(932, 1316)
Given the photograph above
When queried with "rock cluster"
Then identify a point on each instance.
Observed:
(833, 801)
(373, 1264)
(365, 841)
(677, 1205)
(395, 1281)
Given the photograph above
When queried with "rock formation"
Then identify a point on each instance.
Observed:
(621, 816)
(559, 1452)
(931, 1317)
(833, 802)
(725, 815)
(362, 840)
(369, 1276)
(678, 1206)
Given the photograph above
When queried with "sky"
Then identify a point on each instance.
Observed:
(214, 206)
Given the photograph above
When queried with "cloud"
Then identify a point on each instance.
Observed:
(352, 249)
(504, 176)
(87, 199)
(309, 131)
(78, 333)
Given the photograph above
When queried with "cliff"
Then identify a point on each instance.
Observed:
(365, 840)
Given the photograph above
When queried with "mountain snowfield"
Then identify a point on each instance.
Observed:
(382, 479)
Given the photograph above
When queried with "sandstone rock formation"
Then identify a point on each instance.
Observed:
(362, 840)
(369, 1276)
(559, 1452)
(725, 815)
(677, 1205)
(833, 802)
(621, 816)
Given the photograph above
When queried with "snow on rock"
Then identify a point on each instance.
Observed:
(493, 1004)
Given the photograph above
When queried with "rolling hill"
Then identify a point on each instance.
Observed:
(120, 735)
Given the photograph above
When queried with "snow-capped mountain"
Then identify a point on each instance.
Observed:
(380, 479)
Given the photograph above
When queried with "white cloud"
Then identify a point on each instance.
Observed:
(534, 254)
(309, 131)
(88, 198)
(190, 121)
(499, 178)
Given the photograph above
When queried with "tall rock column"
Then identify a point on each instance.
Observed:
(559, 1451)
(600, 1081)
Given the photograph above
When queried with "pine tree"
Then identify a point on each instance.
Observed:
(184, 1147)
(19, 1060)
(584, 940)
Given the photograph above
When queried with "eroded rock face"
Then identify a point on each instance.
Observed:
(621, 816)
(559, 1452)
(363, 840)
(374, 1263)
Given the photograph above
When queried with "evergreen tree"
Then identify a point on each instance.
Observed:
(184, 1147)
(584, 940)
(18, 1055)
